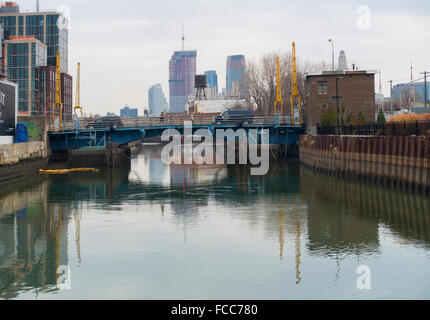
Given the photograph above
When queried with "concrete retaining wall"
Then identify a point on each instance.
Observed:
(400, 160)
(14, 153)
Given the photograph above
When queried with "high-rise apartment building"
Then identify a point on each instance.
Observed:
(235, 73)
(182, 70)
(45, 26)
(32, 40)
(23, 56)
(157, 102)
(212, 79)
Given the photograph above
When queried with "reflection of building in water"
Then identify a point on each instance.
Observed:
(157, 171)
(365, 208)
(196, 174)
(35, 241)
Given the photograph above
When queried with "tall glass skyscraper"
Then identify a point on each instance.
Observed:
(212, 79)
(236, 67)
(157, 102)
(182, 70)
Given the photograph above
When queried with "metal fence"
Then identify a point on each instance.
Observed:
(406, 128)
(196, 119)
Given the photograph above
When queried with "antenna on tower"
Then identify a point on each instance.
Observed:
(183, 38)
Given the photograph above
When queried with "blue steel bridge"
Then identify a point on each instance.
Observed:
(82, 134)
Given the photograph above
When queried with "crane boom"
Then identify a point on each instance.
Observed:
(278, 88)
(295, 91)
(78, 91)
(57, 105)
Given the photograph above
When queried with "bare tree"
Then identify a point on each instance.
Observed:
(261, 80)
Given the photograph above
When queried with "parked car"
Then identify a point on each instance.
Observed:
(106, 122)
(236, 116)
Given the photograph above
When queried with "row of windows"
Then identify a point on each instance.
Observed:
(17, 61)
(17, 48)
(33, 20)
(17, 73)
(8, 21)
(34, 31)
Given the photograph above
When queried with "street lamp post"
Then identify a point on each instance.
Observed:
(332, 53)
(337, 100)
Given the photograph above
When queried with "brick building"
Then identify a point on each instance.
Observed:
(356, 93)
(47, 92)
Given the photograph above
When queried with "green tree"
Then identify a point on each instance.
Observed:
(361, 121)
(381, 117)
(329, 118)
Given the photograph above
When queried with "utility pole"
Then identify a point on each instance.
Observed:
(425, 90)
(380, 102)
(339, 120)
(391, 95)
(332, 54)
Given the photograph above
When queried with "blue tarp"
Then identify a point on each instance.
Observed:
(21, 134)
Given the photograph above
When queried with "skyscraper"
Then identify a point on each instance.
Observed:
(212, 79)
(236, 67)
(157, 102)
(182, 70)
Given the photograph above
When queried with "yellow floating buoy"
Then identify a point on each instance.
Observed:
(64, 171)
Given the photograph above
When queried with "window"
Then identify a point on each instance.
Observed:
(324, 106)
(322, 87)
(334, 98)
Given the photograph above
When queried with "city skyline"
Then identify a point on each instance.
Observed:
(145, 41)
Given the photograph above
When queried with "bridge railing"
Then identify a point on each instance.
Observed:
(197, 119)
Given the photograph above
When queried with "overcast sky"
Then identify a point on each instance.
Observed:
(124, 46)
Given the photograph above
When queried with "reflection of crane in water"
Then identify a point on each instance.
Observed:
(297, 229)
(281, 216)
(77, 217)
(298, 251)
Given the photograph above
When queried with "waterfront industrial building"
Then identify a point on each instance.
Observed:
(350, 94)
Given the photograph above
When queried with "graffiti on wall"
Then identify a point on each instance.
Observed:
(33, 130)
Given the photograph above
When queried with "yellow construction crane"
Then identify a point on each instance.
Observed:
(278, 89)
(78, 92)
(58, 104)
(295, 91)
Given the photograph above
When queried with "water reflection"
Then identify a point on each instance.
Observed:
(305, 214)
(346, 216)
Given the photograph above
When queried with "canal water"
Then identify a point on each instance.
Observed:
(152, 231)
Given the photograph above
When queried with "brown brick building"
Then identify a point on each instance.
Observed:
(47, 91)
(356, 93)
